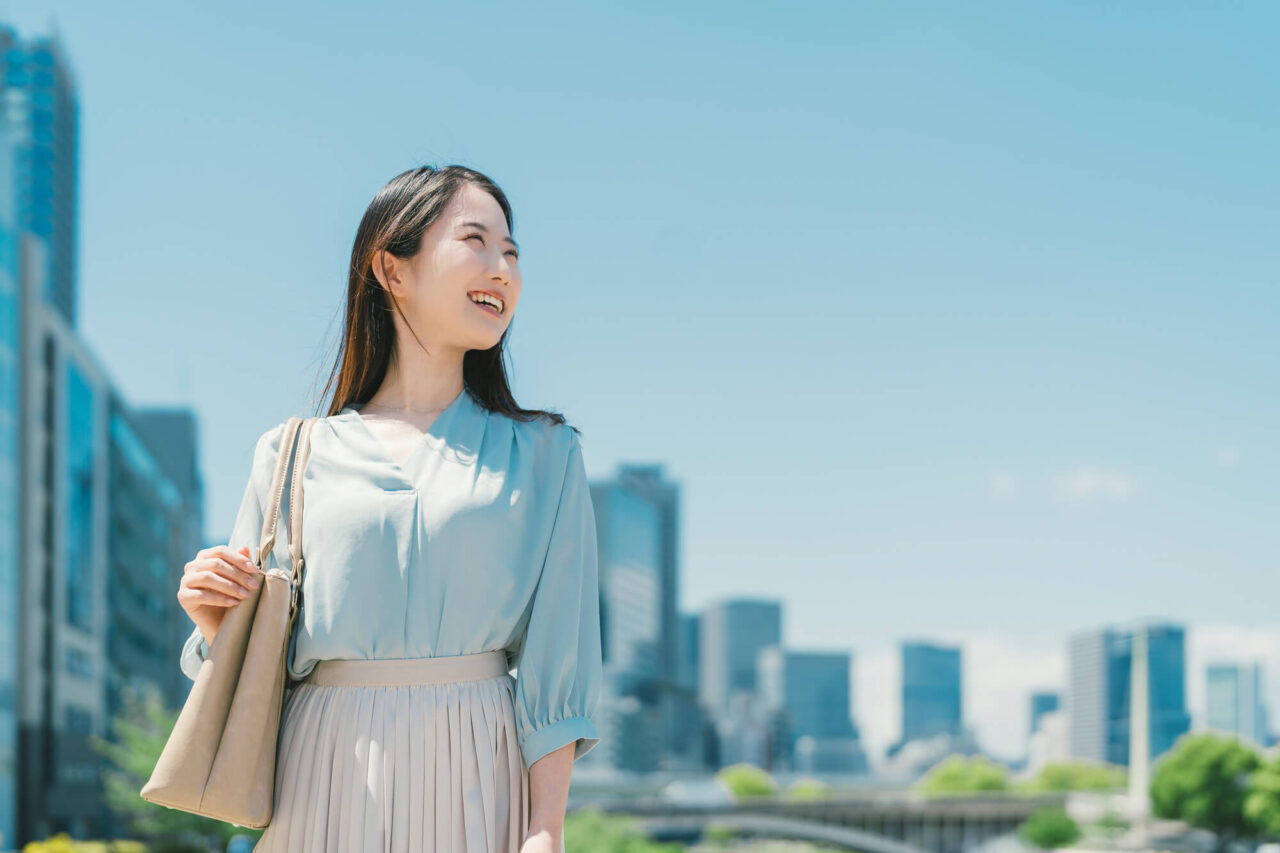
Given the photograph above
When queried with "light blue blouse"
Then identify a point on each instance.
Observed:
(483, 538)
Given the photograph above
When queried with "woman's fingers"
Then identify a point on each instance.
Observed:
(230, 565)
(217, 577)
(192, 598)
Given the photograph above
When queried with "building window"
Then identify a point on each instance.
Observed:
(79, 663)
(79, 720)
(81, 433)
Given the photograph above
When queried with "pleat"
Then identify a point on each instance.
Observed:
(398, 813)
(442, 815)
(428, 767)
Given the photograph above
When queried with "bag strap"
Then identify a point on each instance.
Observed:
(268, 540)
(295, 506)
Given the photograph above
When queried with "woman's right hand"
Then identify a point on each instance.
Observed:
(218, 578)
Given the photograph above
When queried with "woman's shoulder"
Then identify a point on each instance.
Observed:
(272, 438)
(274, 435)
(267, 449)
(545, 434)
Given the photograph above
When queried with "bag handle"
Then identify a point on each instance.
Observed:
(299, 453)
(295, 512)
(268, 540)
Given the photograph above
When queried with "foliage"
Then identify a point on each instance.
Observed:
(590, 830)
(1048, 828)
(1112, 822)
(805, 790)
(1079, 776)
(1262, 802)
(719, 833)
(64, 843)
(960, 774)
(141, 730)
(747, 780)
(1203, 780)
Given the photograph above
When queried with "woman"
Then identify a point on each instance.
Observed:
(448, 536)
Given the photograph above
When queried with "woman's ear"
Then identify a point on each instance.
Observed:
(386, 271)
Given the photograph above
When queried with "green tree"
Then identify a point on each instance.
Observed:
(1262, 802)
(1203, 780)
(806, 790)
(747, 780)
(1048, 828)
(958, 774)
(1079, 776)
(141, 730)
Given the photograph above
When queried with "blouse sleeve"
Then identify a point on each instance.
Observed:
(559, 664)
(247, 530)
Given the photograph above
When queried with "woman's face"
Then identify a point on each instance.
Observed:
(466, 250)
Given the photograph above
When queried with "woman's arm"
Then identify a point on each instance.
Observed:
(548, 796)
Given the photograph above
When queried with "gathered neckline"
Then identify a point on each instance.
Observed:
(435, 432)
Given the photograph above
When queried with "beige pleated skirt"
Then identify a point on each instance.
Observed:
(401, 756)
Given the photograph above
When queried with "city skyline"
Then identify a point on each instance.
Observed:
(1000, 675)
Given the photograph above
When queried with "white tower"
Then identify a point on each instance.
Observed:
(1140, 728)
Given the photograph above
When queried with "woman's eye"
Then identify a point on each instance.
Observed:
(481, 239)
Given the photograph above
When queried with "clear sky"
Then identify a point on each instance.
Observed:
(951, 320)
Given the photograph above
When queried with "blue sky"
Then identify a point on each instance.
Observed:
(951, 321)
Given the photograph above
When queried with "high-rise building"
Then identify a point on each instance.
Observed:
(637, 525)
(38, 96)
(1042, 702)
(931, 691)
(96, 523)
(689, 649)
(1098, 695)
(733, 634)
(629, 538)
(1234, 701)
(10, 487)
(108, 524)
(808, 694)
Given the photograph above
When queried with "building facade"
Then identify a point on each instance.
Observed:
(1234, 701)
(932, 692)
(808, 697)
(97, 525)
(1099, 684)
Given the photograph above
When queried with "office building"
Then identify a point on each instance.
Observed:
(932, 696)
(1098, 695)
(1234, 701)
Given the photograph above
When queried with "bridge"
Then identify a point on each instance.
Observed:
(877, 822)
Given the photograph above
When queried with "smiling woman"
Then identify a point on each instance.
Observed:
(450, 536)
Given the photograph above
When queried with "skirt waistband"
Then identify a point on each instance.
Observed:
(395, 672)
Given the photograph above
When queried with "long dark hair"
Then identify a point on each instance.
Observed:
(395, 220)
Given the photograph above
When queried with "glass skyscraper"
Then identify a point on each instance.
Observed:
(733, 633)
(10, 483)
(931, 691)
(1234, 701)
(95, 525)
(38, 96)
(1098, 696)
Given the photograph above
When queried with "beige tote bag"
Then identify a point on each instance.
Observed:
(220, 758)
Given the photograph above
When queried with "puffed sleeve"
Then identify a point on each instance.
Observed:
(247, 529)
(559, 664)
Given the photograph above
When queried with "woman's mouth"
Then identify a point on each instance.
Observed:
(487, 308)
